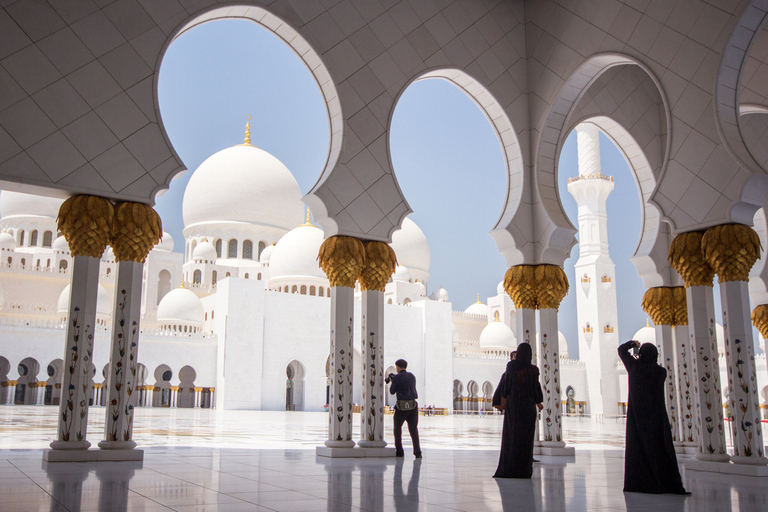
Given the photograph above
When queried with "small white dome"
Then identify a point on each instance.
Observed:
(165, 243)
(7, 242)
(412, 250)
(266, 254)
(500, 288)
(181, 306)
(108, 255)
(61, 245)
(422, 290)
(497, 335)
(401, 274)
(103, 302)
(205, 251)
(478, 308)
(646, 335)
(295, 255)
(243, 184)
(442, 295)
(14, 204)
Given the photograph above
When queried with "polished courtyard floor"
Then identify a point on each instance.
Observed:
(242, 461)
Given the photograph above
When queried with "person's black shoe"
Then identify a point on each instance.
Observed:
(418, 456)
(399, 455)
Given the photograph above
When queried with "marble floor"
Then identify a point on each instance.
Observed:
(240, 461)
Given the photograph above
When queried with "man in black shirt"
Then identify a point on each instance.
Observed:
(403, 384)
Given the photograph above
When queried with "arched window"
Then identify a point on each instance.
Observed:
(33, 239)
(163, 284)
(258, 276)
(197, 277)
(48, 264)
(262, 246)
(294, 289)
(312, 290)
(214, 276)
(21, 238)
(47, 239)
(38, 264)
(248, 250)
(286, 289)
(232, 248)
(321, 291)
(211, 314)
(227, 274)
(109, 270)
(389, 301)
(10, 260)
(206, 316)
(303, 290)
(218, 248)
(246, 275)
(62, 264)
(23, 261)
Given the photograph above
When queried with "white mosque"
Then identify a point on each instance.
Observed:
(239, 320)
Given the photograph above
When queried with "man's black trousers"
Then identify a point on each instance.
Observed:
(412, 417)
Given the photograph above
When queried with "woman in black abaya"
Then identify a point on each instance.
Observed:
(522, 391)
(650, 464)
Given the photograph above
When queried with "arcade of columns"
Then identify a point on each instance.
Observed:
(89, 224)
(684, 319)
(685, 334)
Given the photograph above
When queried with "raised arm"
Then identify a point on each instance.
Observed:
(627, 359)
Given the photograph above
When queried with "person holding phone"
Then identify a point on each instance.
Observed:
(403, 384)
(650, 463)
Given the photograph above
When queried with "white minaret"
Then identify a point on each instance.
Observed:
(595, 278)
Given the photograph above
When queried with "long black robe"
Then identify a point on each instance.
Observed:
(650, 463)
(521, 387)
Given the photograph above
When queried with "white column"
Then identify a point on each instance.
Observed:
(666, 345)
(706, 374)
(549, 365)
(340, 403)
(121, 379)
(372, 412)
(525, 327)
(75, 383)
(687, 416)
(742, 381)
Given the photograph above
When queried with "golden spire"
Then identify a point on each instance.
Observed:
(308, 222)
(478, 299)
(647, 322)
(182, 281)
(247, 141)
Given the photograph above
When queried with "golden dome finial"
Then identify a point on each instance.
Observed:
(247, 141)
(647, 322)
(478, 299)
(182, 281)
(308, 222)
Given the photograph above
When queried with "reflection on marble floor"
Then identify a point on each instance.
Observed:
(242, 461)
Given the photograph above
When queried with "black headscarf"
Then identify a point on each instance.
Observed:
(648, 353)
(524, 355)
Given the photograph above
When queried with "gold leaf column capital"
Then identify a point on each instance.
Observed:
(551, 286)
(342, 258)
(685, 256)
(520, 284)
(760, 319)
(86, 223)
(659, 303)
(136, 229)
(680, 304)
(731, 250)
(380, 264)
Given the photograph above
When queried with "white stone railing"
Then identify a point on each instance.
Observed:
(468, 316)
(471, 343)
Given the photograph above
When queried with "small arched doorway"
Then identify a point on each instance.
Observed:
(472, 392)
(53, 384)
(26, 387)
(162, 393)
(294, 386)
(187, 376)
(487, 396)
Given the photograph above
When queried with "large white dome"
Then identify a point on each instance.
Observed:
(61, 245)
(295, 255)
(181, 306)
(497, 335)
(103, 302)
(20, 204)
(243, 184)
(412, 249)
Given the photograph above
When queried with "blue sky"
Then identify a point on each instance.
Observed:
(445, 155)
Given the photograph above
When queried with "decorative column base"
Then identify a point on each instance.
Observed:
(92, 455)
(557, 449)
(356, 452)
